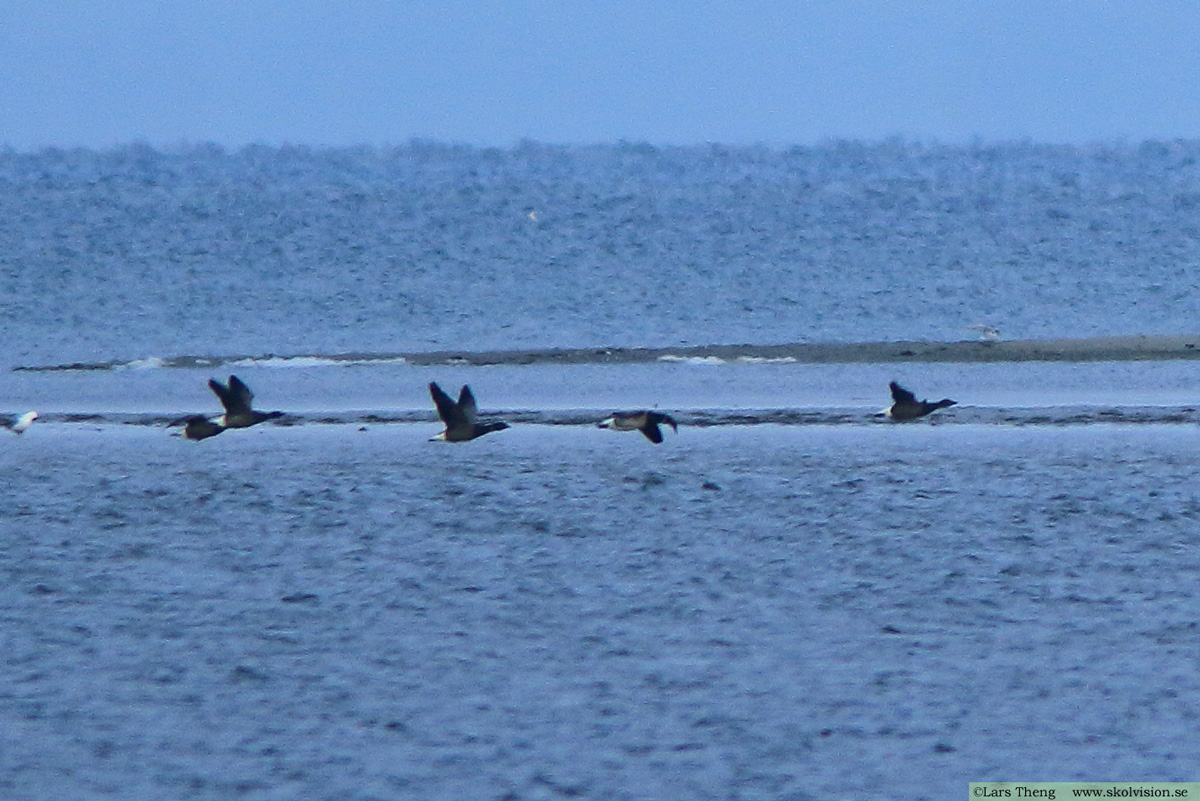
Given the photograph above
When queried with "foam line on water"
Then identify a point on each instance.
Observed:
(1127, 348)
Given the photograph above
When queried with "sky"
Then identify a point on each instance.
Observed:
(235, 72)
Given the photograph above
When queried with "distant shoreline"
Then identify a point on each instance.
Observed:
(1092, 349)
(1129, 348)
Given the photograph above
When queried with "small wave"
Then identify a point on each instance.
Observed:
(311, 361)
(702, 360)
(671, 357)
(212, 362)
(149, 363)
(766, 360)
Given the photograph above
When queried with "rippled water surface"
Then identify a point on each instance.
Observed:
(763, 611)
(789, 598)
(136, 253)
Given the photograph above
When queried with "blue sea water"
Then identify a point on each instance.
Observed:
(133, 253)
(789, 598)
(743, 612)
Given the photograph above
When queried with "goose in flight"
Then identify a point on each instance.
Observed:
(905, 405)
(645, 421)
(235, 397)
(197, 427)
(459, 417)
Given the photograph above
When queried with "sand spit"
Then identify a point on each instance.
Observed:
(1130, 348)
(1093, 349)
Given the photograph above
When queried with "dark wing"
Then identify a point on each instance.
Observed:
(240, 392)
(466, 404)
(446, 408)
(222, 392)
(900, 394)
(659, 417)
(652, 432)
(199, 427)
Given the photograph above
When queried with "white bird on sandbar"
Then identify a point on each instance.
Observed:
(18, 423)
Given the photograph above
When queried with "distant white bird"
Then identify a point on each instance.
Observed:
(986, 332)
(17, 425)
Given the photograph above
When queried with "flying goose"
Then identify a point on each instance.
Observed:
(460, 417)
(18, 423)
(905, 405)
(199, 427)
(645, 421)
(236, 397)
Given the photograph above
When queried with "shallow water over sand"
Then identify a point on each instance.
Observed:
(766, 611)
(788, 598)
(697, 392)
